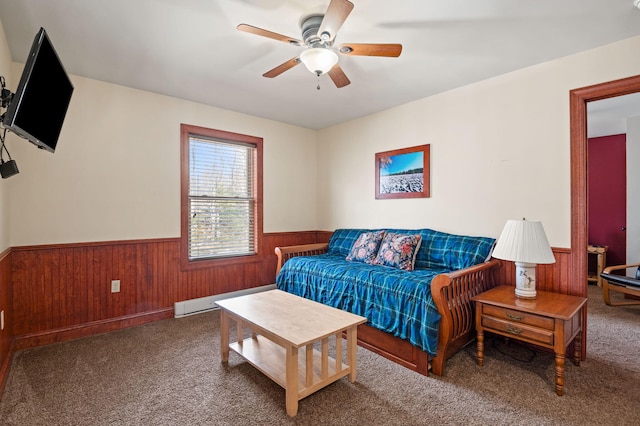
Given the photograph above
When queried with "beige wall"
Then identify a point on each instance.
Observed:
(500, 150)
(5, 184)
(116, 171)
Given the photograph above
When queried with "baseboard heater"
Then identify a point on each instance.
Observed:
(205, 304)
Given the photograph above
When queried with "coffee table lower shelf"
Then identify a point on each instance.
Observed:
(270, 359)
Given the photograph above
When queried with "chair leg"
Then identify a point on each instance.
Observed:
(606, 295)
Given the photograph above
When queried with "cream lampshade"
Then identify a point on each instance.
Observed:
(525, 243)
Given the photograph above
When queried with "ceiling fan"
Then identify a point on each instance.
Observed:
(318, 35)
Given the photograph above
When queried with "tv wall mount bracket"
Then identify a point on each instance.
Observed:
(10, 167)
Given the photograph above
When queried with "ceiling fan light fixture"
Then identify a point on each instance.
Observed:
(319, 60)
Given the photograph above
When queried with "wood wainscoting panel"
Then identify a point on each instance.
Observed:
(61, 286)
(60, 292)
(554, 277)
(63, 291)
(6, 305)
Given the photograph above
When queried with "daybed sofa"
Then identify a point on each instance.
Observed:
(413, 286)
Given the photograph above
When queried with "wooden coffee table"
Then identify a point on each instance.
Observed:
(284, 329)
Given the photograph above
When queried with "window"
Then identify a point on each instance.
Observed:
(221, 194)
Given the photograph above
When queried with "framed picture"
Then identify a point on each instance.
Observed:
(403, 173)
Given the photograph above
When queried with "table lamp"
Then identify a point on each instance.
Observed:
(525, 243)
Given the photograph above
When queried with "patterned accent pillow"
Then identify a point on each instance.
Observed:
(366, 247)
(398, 251)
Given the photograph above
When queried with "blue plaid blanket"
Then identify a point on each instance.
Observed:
(395, 301)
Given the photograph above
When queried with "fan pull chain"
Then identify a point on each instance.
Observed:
(318, 75)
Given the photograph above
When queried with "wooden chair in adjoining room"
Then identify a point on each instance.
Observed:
(621, 284)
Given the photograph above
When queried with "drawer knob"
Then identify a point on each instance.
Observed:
(513, 330)
(514, 317)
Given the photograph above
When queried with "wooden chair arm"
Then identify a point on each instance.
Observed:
(286, 253)
(452, 293)
(447, 288)
(608, 269)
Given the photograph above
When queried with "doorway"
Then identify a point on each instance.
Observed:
(579, 198)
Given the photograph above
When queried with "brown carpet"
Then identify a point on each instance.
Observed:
(169, 373)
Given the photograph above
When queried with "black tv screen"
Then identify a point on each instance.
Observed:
(40, 103)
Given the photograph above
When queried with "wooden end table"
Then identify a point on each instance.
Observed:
(601, 253)
(551, 320)
(284, 330)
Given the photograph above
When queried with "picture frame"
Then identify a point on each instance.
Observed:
(403, 173)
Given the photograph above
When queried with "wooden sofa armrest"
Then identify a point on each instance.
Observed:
(452, 293)
(286, 253)
(608, 269)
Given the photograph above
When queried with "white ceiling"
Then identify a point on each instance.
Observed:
(191, 49)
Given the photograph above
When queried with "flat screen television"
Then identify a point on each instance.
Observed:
(42, 98)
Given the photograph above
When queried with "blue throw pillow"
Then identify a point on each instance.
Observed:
(398, 251)
(366, 247)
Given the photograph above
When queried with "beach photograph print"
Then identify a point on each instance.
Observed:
(403, 173)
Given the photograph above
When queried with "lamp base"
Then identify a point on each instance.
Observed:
(525, 280)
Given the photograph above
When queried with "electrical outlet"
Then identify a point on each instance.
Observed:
(115, 286)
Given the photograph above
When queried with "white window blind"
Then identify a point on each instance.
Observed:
(221, 198)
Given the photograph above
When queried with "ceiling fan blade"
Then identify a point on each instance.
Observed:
(334, 17)
(359, 49)
(270, 34)
(282, 68)
(338, 76)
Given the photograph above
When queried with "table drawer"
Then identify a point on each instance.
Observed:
(522, 331)
(518, 317)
